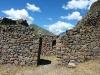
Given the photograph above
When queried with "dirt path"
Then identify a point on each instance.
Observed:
(49, 69)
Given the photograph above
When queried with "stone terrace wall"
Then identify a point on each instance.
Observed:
(18, 45)
(80, 45)
(48, 45)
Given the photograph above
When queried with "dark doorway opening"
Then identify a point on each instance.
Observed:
(53, 42)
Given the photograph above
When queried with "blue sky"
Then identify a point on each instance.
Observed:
(57, 16)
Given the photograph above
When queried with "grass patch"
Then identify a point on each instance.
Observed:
(91, 67)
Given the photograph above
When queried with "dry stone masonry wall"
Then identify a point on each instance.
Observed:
(48, 45)
(18, 45)
(80, 45)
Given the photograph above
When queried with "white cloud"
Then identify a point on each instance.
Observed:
(75, 15)
(19, 14)
(32, 7)
(49, 19)
(78, 4)
(59, 27)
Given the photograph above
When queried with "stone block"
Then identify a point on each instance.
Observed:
(88, 57)
(22, 63)
(65, 57)
(71, 65)
(34, 62)
(75, 42)
(73, 58)
(31, 47)
(59, 63)
(80, 60)
(26, 59)
(59, 59)
(6, 46)
(72, 61)
(16, 62)
(1, 61)
(95, 51)
(35, 58)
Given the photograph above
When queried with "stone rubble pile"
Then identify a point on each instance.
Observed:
(7, 21)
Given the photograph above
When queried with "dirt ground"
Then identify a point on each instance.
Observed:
(48, 67)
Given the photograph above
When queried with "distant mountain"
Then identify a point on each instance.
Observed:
(62, 33)
(38, 30)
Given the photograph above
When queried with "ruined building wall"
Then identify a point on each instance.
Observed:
(18, 45)
(48, 45)
(80, 45)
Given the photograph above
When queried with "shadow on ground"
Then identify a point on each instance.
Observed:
(44, 62)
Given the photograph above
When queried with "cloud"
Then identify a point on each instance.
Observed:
(18, 14)
(49, 19)
(78, 4)
(32, 7)
(59, 27)
(75, 15)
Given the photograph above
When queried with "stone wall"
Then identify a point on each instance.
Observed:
(7, 21)
(18, 45)
(48, 45)
(79, 45)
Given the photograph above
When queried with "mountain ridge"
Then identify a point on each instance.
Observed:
(40, 30)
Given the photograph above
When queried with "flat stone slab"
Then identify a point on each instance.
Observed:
(71, 65)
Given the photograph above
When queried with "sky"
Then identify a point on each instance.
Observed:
(56, 16)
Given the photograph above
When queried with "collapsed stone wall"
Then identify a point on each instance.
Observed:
(80, 44)
(48, 45)
(7, 21)
(18, 45)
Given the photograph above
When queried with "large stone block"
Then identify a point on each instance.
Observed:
(71, 65)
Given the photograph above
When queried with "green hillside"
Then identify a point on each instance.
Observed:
(38, 30)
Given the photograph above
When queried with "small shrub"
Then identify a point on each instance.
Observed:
(85, 58)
